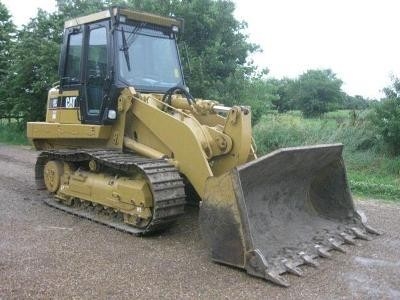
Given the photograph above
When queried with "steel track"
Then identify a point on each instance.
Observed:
(164, 180)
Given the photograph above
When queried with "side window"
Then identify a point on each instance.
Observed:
(96, 69)
(74, 54)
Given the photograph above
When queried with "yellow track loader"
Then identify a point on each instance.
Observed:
(124, 142)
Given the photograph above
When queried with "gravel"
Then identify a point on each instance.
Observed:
(46, 253)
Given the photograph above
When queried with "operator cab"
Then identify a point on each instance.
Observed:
(105, 52)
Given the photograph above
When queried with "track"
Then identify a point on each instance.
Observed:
(164, 179)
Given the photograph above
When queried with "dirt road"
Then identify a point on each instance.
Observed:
(45, 253)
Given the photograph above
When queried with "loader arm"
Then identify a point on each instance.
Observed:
(198, 151)
(178, 137)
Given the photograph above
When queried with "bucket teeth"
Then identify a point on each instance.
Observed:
(348, 239)
(336, 245)
(372, 230)
(308, 260)
(291, 268)
(359, 234)
(322, 251)
(276, 278)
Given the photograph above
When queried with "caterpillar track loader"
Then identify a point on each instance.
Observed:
(124, 141)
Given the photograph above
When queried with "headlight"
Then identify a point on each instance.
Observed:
(112, 114)
(175, 29)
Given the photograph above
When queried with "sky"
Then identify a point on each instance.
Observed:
(357, 39)
(23, 10)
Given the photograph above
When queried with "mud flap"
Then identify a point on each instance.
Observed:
(281, 211)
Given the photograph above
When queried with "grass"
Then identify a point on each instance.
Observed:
(371, 173)
(371, 186)
(12, 134)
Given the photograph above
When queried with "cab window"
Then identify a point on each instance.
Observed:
(74, 53)
(96, 69)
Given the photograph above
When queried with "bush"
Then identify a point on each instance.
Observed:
(371, 172)
(13, 133)
(319, 91)
(287, 130)
(386, 118)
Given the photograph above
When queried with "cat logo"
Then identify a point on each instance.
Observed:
(70, 102)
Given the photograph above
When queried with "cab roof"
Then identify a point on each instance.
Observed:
(129, 14)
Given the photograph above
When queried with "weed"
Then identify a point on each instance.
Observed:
(370, 171)
(12, 134)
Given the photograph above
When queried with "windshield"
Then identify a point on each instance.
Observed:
(148, 58)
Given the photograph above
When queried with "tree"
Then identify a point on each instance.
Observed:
(254, 91)
(7, 30)
(34, 65)
(318, 91)
(217, 48)
(260, 95)
(386, 117)
(356, 102)
(286, 93)
(69, 9)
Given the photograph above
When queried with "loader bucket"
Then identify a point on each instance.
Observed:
(283, 210)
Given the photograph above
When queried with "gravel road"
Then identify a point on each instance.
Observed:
(46, 253)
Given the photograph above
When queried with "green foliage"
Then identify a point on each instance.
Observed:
(255, 92)
(386, 117)
(314, 93)
(371, 172)
(286, 92)
(69, 9)
(351, 128)
(12, 134)
(7, 30)
(34, 65)
(216, 47)
(374, 186)
(258, 94)
(318, 91)
(357, 102)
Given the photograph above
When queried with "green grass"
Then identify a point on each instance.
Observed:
(371, 173)
(12, 134)
(372, 186)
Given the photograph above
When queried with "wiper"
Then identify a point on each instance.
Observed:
(125, 48)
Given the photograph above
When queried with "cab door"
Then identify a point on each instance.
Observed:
(63, 103)
(84, 71)
(95, 75)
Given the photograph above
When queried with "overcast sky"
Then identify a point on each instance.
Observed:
(357, 39)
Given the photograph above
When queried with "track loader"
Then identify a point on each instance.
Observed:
(124, 142)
